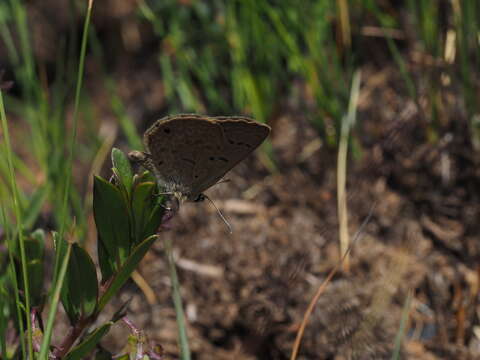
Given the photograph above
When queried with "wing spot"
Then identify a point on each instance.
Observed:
(196, 176)
(211, 158)
(160, 163)
(167, 130)
(231, 141)
(223, 159)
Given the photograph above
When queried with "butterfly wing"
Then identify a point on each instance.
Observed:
(190, 153)
(177, 145)
(240, 137)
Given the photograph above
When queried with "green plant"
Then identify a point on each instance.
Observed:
(127, 215)
(226, 57)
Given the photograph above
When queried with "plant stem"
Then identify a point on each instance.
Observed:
(177, 302)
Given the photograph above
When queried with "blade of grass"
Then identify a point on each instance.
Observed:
(177, 302)
(54, 304)
(347, 123)
(403, 325)
(75, 115)
(26, 51)
(344, 18)
(8, 40)
(18, 220)
(13, 274)
(58, 280)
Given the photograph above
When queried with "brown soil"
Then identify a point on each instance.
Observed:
(245, 293)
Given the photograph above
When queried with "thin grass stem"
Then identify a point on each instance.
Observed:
(177, 303)
(347, 123)
(18, 220)
(14, 277)
(403, 324)
(58, 280)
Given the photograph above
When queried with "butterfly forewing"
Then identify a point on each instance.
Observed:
(178, 145)
(192, 152)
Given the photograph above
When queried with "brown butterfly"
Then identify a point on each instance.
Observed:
(190, 153)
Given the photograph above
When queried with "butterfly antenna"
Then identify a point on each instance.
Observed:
(220, 214)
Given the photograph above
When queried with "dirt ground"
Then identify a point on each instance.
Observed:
(245, 293)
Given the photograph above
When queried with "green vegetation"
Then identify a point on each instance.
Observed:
(255, 57)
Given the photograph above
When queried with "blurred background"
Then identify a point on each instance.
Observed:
(393, 84)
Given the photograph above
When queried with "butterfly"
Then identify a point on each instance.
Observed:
(189, 153)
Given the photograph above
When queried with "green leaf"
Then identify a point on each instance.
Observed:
(143, 202)
(148, 176)
(124, 170)
(154, 220)
(113, 225)
(83, 349)
(147, 218)
(104, 260)
(126, 270)
(34, 249)
(80, 289)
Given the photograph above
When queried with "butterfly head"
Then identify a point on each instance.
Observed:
(140, 158)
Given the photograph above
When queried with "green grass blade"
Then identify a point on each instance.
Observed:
(177, 303)
(347, 124)
(54, 303)
(75, 115)
(18, 220)
(401, 329)
(14, 277)
(58, 280)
